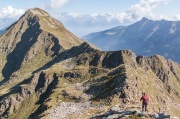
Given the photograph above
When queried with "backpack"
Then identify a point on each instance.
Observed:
(145, 99)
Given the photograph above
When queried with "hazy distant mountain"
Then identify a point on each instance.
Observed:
(2, 30)
(82, 24)
(47, 72)
(5, 22)
(145, 37)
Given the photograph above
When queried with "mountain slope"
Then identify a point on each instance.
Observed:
(35, 37)
(145, 37)
(51, 74)
(46, 23)
(83, 74)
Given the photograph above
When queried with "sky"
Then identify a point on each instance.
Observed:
(86, 16)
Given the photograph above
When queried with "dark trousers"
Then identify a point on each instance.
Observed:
(144, 107)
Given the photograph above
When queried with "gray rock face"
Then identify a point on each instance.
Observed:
(116, 113)
(66, 108)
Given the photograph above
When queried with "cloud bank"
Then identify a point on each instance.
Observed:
(81, 24)
(96, 22)
(142, 9)
(57, 3)
(10, 12)
(8, 15)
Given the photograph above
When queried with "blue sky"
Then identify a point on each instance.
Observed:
(92, 6)
(84, 16)
(79, 6)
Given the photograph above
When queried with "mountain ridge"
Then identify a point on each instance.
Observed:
(41, 77)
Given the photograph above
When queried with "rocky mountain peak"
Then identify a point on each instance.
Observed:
(37, 11)
(144, 19)
(36, 33)
(46, 21)
(39, 21)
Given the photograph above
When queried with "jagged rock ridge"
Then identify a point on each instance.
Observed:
(48, 79)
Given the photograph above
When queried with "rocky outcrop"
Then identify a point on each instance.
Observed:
(39, 86)
(11, 102)
(67, 108)
(116, 112)
(163, 70)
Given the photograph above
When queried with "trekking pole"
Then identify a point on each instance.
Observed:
(142, 91)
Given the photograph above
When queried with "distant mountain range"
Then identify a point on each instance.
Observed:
(145, 37)
(2, 30)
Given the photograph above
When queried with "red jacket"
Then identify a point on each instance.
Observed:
(145, 99)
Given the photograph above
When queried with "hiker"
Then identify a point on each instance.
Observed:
(145, 99)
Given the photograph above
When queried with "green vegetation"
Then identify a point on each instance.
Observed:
(135, 117)
(26, 108)
(43, 80)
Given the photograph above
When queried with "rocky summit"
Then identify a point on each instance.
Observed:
(49, 73)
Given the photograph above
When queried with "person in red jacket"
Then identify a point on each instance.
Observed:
(145, 100)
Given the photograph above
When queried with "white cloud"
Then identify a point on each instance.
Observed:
(142, 9)
(177, 17)
(10, 12)
(82, 24)
(58, 3)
